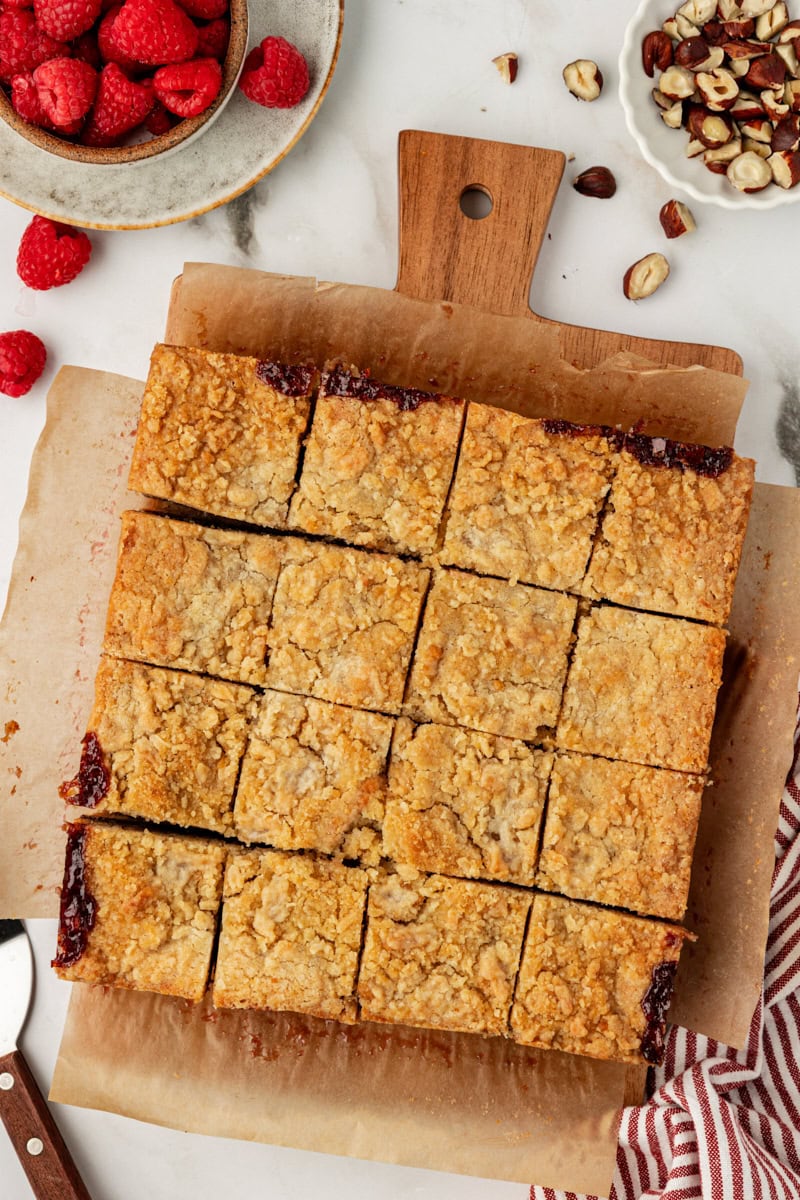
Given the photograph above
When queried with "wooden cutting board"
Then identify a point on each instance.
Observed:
(489, 263)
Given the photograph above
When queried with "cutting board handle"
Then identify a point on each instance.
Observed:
(446, 255)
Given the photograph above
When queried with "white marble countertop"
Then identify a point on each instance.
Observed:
(330, 210)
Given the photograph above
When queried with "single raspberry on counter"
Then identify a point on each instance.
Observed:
(214, 38)
(204, 10)
(275, 74)
(187, 89)
(51, 254)
(121, 105)
(23, 46)
(22, 359)
(66, 19)
(154, 32)
(66, 88)
(158, 120)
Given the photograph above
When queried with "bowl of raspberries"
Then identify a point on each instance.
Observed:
(117, 81)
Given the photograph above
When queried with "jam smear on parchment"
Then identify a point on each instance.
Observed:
(652, 451)
(287, 378)
(93, 780)
(655, 1003)
(78, 905)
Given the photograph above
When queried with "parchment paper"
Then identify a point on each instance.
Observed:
(455, 1103)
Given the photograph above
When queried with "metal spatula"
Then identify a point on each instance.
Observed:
(41, 1150)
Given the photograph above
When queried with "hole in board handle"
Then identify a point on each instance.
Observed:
(476, 202)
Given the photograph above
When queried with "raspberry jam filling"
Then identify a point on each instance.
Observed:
(655, 1003)
(289, 379)
(93, 780)
(340, 382)
(652, 451)
(78, 905)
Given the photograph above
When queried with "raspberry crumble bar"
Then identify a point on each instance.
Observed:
(464, 803)
(291, 933)
(378, 463)
(441, 953)
(221, 433)
(314, 778)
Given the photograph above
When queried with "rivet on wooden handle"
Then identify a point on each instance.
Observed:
(34, 1134)
(445, 255)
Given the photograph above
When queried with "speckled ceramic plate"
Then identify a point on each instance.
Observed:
(242, 145)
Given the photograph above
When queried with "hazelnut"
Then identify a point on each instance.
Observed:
(694, 147)
(685, 27)
(759, 129)
(673, 116)
(507, 65)
(717, 160)
(755, 8)
(788, 53)
(772, 22)
(746, 106)
(739, 29)
(698, 11)
(718, 89)
(774, 106)
(749, 172)
(791, 95)
(583, 79)
(676, 219)
(661, 100)
(762, 149)
(767, 71)
(785, 168)
(645, 276)
(787, 133)
(595, 181)
(691, 52)
(729, 10)
(744, 49)
(677, 83)
(714, 33)
(656, 52)
(712, 129)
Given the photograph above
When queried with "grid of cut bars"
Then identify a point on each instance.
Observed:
(451, 714)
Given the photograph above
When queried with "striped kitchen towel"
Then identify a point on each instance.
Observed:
(724, 1124)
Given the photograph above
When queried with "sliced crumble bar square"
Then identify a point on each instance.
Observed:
(464, 803)
(642, 688)
(343, 625)
(378, 464)
(191, 597)
(620, 834)
(441, 953)
(595, 982)
(139, 909)
(672, 534)
(491, 656)
(314, 778)
(291, 934)
(222, 433)
(162, 745)
(525, 501)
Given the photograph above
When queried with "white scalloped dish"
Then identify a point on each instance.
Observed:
(664, 148)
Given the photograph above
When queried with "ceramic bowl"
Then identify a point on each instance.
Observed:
(180, 134)
(664, 148)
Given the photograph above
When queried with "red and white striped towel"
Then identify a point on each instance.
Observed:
(724, 1124)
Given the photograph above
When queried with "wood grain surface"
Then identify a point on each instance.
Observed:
(26, 1115)
(489, 263)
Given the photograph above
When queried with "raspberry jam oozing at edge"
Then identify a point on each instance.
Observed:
(651, 451)
(78, 905)
(655, 1003)
(289, 379)
(93, 780)
(339, 382)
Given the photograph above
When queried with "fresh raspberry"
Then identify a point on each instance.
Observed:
(275, 74)
(51, 254)
(204, 10)
(159, 120)
(66, 19)
(23, 46)
(214, 38)
(107, 45)
(25, 101)
(86, 49)
(154, 32)
(17, 3)
(121, 105)
(66, 88)
(187, 89)
(22, 359)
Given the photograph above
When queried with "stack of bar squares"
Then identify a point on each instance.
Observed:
(404, 709)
